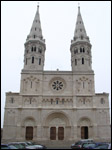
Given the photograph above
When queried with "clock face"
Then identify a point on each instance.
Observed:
(57, 84)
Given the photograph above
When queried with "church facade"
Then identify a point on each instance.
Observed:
(57, 105)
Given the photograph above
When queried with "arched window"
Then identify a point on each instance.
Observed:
(75, 51)
(82, 60)
(40, 50)
(35, 49)
(31, 84)
(39, 61)
(75, 61)
(32, 60)
(81, 49)
(32, 49)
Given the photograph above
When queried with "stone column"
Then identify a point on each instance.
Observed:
(46, 133)
(39, 132)
(78, 132)
(35, 133)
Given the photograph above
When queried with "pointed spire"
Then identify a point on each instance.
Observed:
(80, 32)
(36, 31)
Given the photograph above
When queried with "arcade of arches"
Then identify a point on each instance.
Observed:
(57, 126)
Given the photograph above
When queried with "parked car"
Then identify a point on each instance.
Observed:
(29, 143)
(90, 145)
(104, 146)
(79, 143)
(35, 147)
(24, 144)
(17, 145)
(6, 146)
(35, 144)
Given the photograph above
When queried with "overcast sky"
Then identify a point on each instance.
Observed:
(58, 19)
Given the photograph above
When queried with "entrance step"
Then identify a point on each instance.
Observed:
(50, 144)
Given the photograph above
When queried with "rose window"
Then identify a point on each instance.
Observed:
(57, 85)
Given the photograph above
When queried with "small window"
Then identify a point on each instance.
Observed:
(82, 60)
(12, 100)
(102, 101)
(80, 30)
(26, 61)
(57, 101)
(34, 36)
(39, 61)
(32, 60)
(35, 29)
(30, 100)
(75, 62)
(31, 84)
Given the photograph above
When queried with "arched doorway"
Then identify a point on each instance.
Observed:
(29, 133)
(57, 126)
(84, 128)
(29, 129)
(84, 132)
(60, 133)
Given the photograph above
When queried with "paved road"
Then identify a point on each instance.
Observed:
(58, 148)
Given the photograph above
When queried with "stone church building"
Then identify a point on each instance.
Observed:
(57, 105)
